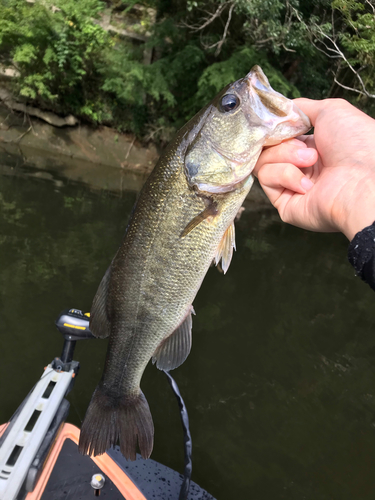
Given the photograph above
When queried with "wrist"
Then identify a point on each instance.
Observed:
(361, 215)
(352, 206)
(353, 229)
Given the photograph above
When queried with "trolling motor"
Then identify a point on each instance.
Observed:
(27, 440)
(29, 437)
(74, 325)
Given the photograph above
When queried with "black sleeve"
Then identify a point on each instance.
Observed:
(361, 254)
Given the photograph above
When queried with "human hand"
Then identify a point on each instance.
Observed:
(335, 190)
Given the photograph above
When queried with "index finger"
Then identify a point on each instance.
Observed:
(319, 109)
(311, 107)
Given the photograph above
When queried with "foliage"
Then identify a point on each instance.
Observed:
(146, 88)
(216, 76)
(358, 41)
(271, 24)
(68, 63)
(54, 47)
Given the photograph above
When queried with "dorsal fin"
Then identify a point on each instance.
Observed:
(225, 248)
(99, 322)
(173, 350)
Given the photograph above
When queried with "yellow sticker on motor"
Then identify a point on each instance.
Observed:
(76, 327)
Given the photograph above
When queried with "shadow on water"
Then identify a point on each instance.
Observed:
(280, 381)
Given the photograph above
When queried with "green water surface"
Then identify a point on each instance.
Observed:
(280, 382)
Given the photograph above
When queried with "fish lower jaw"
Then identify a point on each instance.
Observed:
(223, 188)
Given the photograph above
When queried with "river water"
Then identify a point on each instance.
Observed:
(281, 378)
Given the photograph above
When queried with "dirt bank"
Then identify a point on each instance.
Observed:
(100, 157)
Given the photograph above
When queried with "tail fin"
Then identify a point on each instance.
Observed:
(109, 419)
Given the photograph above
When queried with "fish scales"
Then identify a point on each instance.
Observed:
(182, 221)
(167, 270)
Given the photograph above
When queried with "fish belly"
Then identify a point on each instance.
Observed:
(150, 287)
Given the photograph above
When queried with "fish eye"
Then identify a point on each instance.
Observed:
(229, 102)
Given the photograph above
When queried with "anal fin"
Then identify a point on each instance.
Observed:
(225, 249)
(173, 350)
(99, 322)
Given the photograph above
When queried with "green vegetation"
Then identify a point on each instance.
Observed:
(68, 62)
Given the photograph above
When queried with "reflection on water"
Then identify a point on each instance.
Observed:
(280, 381)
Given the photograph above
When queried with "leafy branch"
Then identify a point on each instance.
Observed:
(208, 20)
(326, 39)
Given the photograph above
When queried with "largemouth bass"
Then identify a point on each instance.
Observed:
(182, 221)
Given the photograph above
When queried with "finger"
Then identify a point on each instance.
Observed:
(314, 109)
(295, 142)
(308, 140)
(310, 107)
(294, 151)
(276, 178)
(292, 209)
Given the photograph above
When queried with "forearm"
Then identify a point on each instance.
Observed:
(361, 254)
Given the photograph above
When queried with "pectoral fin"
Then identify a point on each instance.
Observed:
(173, 350)
(99, 322)
(207, 212)
(225, 248)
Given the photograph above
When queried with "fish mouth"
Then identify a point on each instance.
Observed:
(299, 118)
(275, 110)
(295, 124)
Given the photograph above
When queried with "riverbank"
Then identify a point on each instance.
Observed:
(99, 157)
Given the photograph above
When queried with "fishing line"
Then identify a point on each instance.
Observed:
(184, 491)
(75, 407)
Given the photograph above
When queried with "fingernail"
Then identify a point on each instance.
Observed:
(306, 183)
(305, 154)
